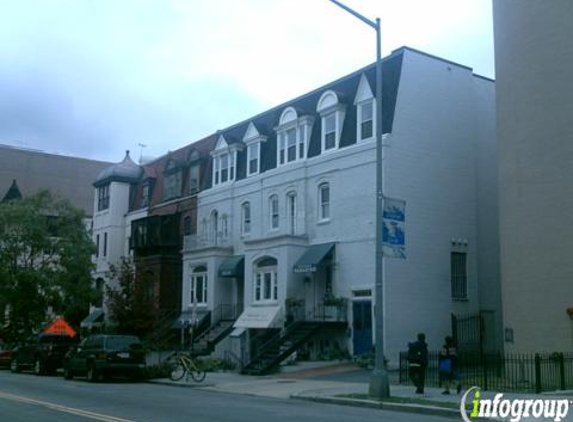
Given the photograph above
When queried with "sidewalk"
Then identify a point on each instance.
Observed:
(338, 383)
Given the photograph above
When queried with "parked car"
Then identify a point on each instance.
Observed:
(42, 353)
(6, 352)
(105, 355)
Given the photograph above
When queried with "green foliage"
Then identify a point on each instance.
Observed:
(216, 365)
(45, 262)
(130, 299)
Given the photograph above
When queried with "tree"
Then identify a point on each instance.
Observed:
(45, 263)
(130, 299)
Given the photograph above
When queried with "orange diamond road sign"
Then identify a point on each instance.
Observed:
(60, 326)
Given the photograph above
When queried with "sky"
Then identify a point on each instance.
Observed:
(93, 78)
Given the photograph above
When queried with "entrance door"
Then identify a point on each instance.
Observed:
(362, 327)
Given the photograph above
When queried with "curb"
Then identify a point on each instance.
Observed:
(397, 407)
(180, 384)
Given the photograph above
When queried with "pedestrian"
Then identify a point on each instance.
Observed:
(448, 366)
(417, 362)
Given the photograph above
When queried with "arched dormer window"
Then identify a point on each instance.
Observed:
(224, 162)
(365, 111)
(194, 171)
(293, 133)
(253, 140)
(172, 180)
(332, 117)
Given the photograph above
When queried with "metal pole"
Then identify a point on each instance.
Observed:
(379, 385)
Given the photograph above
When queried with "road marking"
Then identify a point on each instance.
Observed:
(64, 409)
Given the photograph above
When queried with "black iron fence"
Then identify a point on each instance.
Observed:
(509, 372)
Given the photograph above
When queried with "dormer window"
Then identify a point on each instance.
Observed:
(172, 182)
(145, 195)
(172, 185)
(253, 140)
(365, 110)
(292, 136)
(332, 114)
(224, 162)
(194, 170)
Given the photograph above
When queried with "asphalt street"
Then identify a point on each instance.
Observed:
(26, 397)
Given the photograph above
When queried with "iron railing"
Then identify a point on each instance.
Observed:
(195, 242)
(509, 372)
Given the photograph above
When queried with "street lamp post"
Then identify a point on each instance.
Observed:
(379, 386)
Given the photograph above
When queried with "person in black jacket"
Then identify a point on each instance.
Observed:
(448, 366)
(417, 362)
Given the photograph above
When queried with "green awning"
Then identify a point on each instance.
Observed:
(312, 258)
(92, 320)
(234, 266)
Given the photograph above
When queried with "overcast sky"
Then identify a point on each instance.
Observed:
(92, 78)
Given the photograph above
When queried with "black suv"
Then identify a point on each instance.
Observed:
(105, 355)
(43, 353)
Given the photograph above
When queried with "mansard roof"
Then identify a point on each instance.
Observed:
(306, 105)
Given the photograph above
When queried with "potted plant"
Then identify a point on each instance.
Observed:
(333, 307)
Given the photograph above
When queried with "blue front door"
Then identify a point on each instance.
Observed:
(362, 327)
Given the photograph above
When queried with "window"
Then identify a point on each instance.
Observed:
(103, 197)
(265, 281)
(224, 168)
(366, 116)
(145, 195)
(329, 132)
(274, 212)
(292, 136)
(459, 276)
(97, 245)
(246, 218)
(199, 285)
(105, 244)
(332, 113)
(194, 178)
(172, 185)
(253, 158)
(324, 202)
(224, 226)
(291, 212)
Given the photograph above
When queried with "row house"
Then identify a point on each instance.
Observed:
(275, 238)
(286, 224)
(142, 212)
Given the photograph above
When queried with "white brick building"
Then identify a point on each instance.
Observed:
(296, 184)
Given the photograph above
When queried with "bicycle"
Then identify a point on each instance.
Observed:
(185, 365)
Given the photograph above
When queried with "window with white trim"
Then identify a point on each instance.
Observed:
(366, 120)
(324, 202)
(253, 158)
(265, 289)
(274, 212)
(291, 212)
(459, 275)
(224, 162)
(292, 136)
(246, 218)
(329, 128)
(198, 285)
(332, 114)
